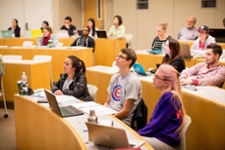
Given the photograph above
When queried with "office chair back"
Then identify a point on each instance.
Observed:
(182, 145)
(47, 58)
(92, 90)
(27, 44)
(128, 39)
(11, 57)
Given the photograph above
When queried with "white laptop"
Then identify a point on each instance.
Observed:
(110, 137)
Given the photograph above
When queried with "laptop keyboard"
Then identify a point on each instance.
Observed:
(69, 110)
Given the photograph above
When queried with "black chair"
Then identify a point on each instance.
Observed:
(3, 94)
(139, 119)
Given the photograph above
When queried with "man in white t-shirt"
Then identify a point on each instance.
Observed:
(124, 90)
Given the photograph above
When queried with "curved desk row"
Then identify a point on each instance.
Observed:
(104, 47)
(206, 107)
(37, 127)
(58, 56)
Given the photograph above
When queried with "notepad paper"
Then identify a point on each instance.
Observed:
(100, 110)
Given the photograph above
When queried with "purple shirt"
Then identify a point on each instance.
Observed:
(165, 120)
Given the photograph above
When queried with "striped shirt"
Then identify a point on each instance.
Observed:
(157, 43)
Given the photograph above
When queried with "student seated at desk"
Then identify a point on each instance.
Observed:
(161, 37)
(210, 73)
(73, 82)
(204, 39)
(91, 25)
(118, 29)
(166, 123)
(47, 35)
(189, 32)
(173, 57)
(124, 90)
(15, 28)
(44, 25)
(68, 26)
(85, 40)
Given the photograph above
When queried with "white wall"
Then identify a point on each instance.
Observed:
(34, 12)
(142, 23)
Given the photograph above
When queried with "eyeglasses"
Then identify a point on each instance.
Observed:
(120, 56)
(157, 77)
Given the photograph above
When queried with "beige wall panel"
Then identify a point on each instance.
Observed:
(109, 14)
(127, 10)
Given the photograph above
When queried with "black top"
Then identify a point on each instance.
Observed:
(157, 43)
(70, 30)
(84, 42)
(78, 88)
(178, 63)
(16, 31)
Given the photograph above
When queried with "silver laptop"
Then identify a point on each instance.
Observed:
(185, 51)
(110, 137)
(64, 111)
(6, 33)
(62, 34)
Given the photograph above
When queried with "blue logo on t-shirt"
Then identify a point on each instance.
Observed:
(117, 93)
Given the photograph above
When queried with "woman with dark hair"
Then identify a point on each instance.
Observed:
(118, 29)
(73, 82)
(172, 55)
(91, 25)
(44, 25)
(47, 35)
(15, 28)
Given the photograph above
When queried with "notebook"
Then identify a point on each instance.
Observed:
(185, 51)
(6, 33)
(36, 33)
(65, 111)
(62, 34)
(101, 34)
(110, 136)
(138, 68)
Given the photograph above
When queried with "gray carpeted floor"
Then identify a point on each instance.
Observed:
(7, 130)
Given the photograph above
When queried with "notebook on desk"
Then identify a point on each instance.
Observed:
(6, 33)
(64, 111)
(110, 136)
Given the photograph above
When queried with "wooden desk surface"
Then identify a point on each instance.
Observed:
(191, 43)
(58, 56)
(207, 114)
(150, 60)
(38, 75)
(37, 127)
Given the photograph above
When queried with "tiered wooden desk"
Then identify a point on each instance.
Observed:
(37, 127)
(38, 74)
(58, 56)
(206, 107)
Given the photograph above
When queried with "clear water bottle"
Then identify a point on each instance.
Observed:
(24, 84)
(92, 118)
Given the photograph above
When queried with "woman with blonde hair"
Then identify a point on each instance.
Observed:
(161, 36)
(167, 120)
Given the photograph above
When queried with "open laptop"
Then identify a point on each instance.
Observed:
(101, 34)
(138, 68)
(64, 111)
(110, 137)
(185, 51)
(6, 33)
(80, 32)
(62, 34)
(35, 33)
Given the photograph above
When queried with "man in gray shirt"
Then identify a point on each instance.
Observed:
(124, 90)
(189, 32)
